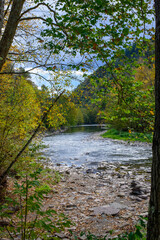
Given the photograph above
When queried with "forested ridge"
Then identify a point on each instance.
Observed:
(98, 97)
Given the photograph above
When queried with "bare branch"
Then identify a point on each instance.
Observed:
(33, 18)
(30, 9)
(39, 4)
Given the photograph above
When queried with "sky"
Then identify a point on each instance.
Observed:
(42, 77)
(75, 76)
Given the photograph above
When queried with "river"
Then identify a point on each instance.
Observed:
(82, 146)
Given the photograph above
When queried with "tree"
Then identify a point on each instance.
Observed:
(153, 231)
(21, 40)
(13, 33)
(83, 36)
(99, 28)
(10, 28)
(19, 116)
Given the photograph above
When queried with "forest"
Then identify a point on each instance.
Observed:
(42, 45)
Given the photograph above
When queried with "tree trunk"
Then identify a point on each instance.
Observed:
(1, 15)
(10, 30)
(153, 229)
(3, 188)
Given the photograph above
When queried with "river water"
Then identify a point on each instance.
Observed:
(82, 146)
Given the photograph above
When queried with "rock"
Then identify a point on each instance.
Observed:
(58, 164)
(144, 196)
(60, 235)
(105, 210)
(101, 185)
(138, 199)
(83, 237)
(82, 184)
(102, 168)
(121, 194)
(84, 193)
(47, 196)
(89, 170)
(70, 207)
(133, 184)
(51, 206)
(136, 190)
(118, 205)
(134, 198)
(119, 175)
(90, 198)
(111, 209)
(126, 216)
(145, 214)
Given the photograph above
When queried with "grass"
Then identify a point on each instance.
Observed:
(128, 135)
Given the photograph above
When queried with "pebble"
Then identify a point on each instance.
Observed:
(60, 235)
(99, 202)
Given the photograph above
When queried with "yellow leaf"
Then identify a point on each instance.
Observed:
(151, 112)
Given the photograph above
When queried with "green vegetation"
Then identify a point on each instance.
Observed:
(126, 104)
(23, 214)
(128, 135)
(99, 31)
(138, 234)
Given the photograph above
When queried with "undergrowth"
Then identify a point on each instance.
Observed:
(30, 220)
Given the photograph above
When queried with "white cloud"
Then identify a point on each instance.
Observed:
(40, 77)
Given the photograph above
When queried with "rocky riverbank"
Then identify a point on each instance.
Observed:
(111, 197)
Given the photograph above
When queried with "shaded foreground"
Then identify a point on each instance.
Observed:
(111, 199)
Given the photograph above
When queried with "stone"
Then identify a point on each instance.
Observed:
(111, 209)
(119, 175)
(70, 207)
(47, 196)
(136, 190)
(84, 193)
(83, 237)
(89, 170)
(51, 206)
(60, 235)
(58, 164)
(145, 214)
(105, 210)
(102, 168)
(121, 194)
(118, 205)
(144, 196)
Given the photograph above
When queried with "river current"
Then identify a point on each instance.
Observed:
(82, 146)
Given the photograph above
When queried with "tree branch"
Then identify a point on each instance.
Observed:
(33, 18)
